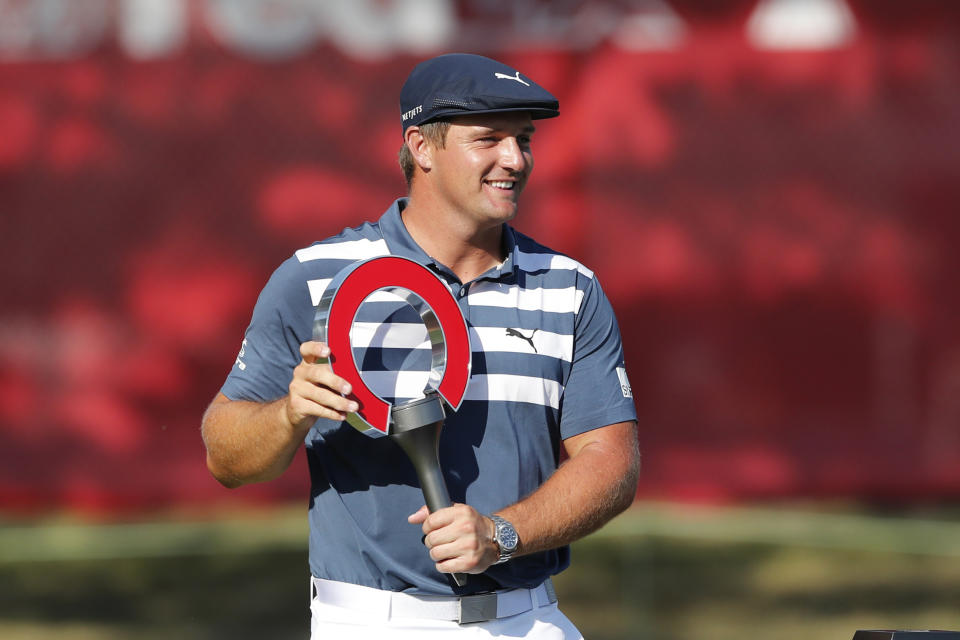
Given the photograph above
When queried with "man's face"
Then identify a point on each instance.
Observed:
(484, 165)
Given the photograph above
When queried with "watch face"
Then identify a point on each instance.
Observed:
(508, 538)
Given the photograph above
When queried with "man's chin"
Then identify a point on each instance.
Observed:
(506, 205)
(507, 212)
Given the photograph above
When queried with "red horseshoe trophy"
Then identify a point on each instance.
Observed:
(414, 425)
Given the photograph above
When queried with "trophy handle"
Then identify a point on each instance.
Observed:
(416, 428)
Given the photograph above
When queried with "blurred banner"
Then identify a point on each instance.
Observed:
(768, 191)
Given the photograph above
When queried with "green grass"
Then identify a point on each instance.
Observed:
(660, 571)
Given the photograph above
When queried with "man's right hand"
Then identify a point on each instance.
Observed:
(315, 390)
(251, 441)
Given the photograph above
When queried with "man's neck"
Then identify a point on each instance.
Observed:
(467, 251)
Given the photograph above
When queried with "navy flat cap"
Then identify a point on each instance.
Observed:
(458, 84)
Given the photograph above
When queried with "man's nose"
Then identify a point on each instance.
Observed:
(511, 155)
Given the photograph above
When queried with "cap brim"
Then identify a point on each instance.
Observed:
(536, 113)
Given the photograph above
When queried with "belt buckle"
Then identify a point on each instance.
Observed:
(479, 607)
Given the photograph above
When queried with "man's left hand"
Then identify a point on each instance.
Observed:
(459, 538)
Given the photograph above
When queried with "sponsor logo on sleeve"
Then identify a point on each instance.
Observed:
(240, 363)
(624, 383)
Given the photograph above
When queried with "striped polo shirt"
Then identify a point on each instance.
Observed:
(547, 364)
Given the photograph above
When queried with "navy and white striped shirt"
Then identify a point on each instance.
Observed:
(547, 365)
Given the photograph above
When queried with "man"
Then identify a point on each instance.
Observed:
(547, 378)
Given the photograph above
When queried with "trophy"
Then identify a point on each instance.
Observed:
(415, 425)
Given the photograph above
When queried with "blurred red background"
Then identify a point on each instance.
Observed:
(769, 197)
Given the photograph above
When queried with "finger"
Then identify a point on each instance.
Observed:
(437, 522)
(313, 351)
(301, 409)
(418, 516)
(452, 560)
(314, 383)
(317, 370)
(460, 531)
(444, 553)
(322, 396)
(307, 400)
(468, 553)
(323, 375)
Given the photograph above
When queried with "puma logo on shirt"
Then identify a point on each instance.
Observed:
(516, 334)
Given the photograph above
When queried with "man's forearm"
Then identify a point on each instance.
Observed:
(249, 441)
(254, 442)
(598, 482)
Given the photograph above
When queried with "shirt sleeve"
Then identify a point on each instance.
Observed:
(271, 346)
(597, 392)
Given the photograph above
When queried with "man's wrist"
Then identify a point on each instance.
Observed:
(297, 424)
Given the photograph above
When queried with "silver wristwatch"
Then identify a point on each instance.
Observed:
(506, 538)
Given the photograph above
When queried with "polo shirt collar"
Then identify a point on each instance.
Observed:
(509, 266)
(401, 243)
(398, 239)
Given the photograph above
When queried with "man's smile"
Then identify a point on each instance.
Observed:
(504, 185)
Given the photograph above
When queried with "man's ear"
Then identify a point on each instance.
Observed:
(419, 147)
